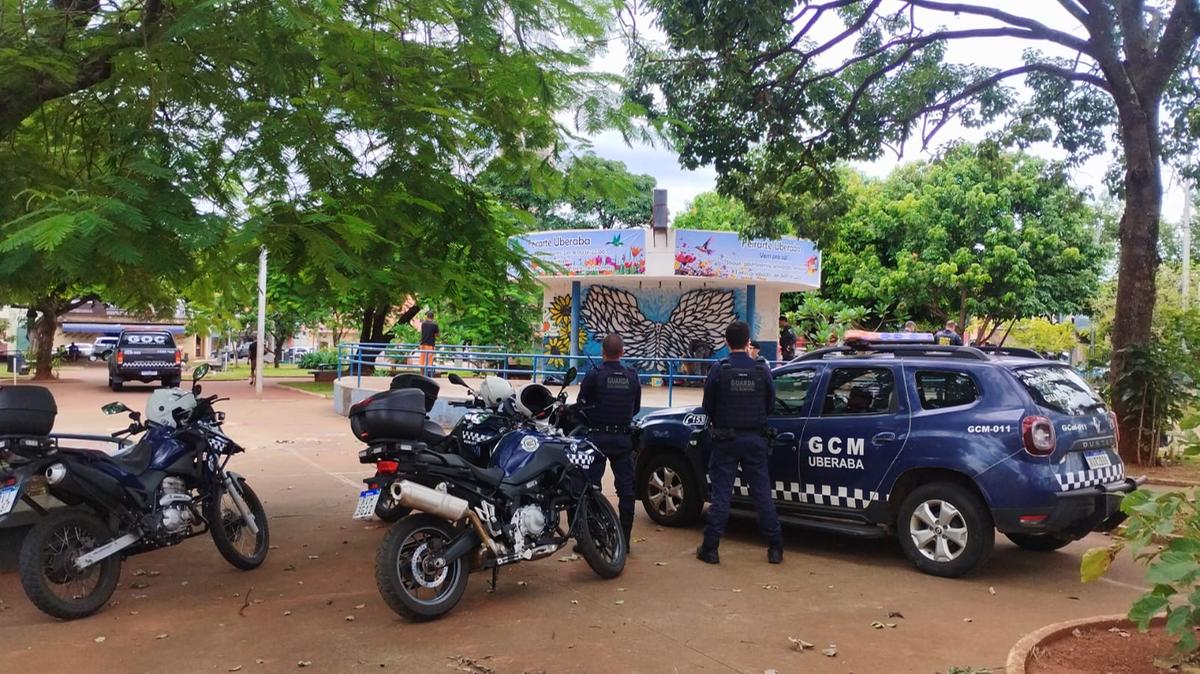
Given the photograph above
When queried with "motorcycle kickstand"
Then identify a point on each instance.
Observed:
(495, 579)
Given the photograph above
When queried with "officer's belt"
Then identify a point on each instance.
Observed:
(616, 428)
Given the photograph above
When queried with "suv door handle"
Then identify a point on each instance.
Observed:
(881, 438)
(785, 438)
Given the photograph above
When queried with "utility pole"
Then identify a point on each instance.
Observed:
(1186, 226)
(262, 320)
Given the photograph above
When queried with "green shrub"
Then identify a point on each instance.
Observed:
(1163, 531)
(315, 359)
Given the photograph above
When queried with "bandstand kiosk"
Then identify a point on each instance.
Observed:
(669, 293)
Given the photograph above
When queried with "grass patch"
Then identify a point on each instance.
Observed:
(324, 388)
(243, 372)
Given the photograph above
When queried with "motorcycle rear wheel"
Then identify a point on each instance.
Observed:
(601, 540)
(407, 571)
(47, 575)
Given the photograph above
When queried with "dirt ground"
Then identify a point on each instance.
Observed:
(1109, 650)
(315, 599)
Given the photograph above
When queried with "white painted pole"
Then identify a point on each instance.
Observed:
(1186, 227)
(262, 319)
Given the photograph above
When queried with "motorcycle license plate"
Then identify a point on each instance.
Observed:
(1098, 459)
(366, 504)
(8, 497)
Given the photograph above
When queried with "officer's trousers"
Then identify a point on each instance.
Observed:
(617, 449)
(747, 449)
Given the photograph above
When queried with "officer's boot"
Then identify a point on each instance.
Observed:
(627, 529)
(707, 552)
(775, 550)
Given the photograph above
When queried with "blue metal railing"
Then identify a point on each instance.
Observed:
(353, 357)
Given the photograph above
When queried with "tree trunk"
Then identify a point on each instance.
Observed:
(44, 329)
(374, 331)
(1138, 263)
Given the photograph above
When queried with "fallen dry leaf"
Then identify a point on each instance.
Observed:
(621, 589)
(967, 620)
(770, 586)
(619, 602)
(830, 652)
(286, 613)
(799, 645)
(1076, 632)
(100, 640)
(235, 668)
(569, 558)
(304, 663)
(162, 636)
(314, 556)
(895, 614)
(360, 606)
(521, 583)
(574, 601)
(877, 625)
(290, 567)
(138, 585)
(660, 563)
(349, 618)
(991, 590)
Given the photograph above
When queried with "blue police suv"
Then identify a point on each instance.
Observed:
(939, 445)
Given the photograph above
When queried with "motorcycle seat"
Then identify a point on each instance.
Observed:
(136, 459)
(432, 433)
(492, 477)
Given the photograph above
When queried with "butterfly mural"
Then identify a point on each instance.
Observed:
(700, 315)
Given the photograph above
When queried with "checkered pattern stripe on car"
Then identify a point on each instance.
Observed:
(148, 363)
(1089, 478)
(815, 494)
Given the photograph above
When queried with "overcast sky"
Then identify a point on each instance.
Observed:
(683, 185)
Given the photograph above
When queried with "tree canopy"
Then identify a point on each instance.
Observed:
(809, 82)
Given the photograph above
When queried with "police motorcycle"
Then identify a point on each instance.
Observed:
(170, 485)
(473, 437)
(534, 497)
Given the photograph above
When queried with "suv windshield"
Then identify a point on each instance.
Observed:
(148, 339)
(1060, 389)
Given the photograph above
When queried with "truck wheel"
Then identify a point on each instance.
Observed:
(116, 384)
(670, 493)
(1039, 542)
(945, 529)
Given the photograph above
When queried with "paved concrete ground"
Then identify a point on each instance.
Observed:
(667, 613)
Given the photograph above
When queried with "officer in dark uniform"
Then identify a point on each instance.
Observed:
(738, 395)
(948, 335)
(611, 395)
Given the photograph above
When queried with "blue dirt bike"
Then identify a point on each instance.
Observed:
(171, 485)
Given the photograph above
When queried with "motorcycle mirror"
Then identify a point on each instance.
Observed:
(200, 372)
(570, 376)
(456, 380)
(114, 408)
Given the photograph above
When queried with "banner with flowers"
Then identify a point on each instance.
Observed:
(587, 252)
(723, 255)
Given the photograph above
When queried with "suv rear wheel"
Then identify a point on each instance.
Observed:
(945, 529)
(670, 493)
(1039, 542)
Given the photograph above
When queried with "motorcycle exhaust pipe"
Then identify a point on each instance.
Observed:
(419, 497)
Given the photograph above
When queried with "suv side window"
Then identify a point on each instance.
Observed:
(939, 389)
(791, 392)
(855, 391)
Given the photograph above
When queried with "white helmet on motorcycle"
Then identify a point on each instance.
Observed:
(495, 390)
(167, 406)
(535, 401)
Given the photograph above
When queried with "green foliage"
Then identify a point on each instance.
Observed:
(1158, 384)
(993, 234)
(1044, 336)
(818, 319)
(315, 359)
(1163, 531)
(714, 212)
(587, 192)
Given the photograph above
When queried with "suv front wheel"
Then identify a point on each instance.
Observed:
(670, 493)
(945, 529)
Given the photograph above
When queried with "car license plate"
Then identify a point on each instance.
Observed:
(8, 496)
(1097, 459)
(149, 373)
(366, 504)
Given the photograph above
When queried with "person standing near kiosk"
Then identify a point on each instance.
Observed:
(611, 395)
(738, 396)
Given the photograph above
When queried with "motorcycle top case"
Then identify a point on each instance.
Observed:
(26, 410)
(391, 415)
(411, 380)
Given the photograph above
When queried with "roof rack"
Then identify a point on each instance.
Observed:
(898, 351)
(1016, 351)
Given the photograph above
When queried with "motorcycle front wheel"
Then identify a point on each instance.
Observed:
(48, 574)
(412, 576)
(601, 541)
(237, 544)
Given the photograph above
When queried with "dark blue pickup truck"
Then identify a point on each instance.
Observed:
(145, 356)
(941, 446)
